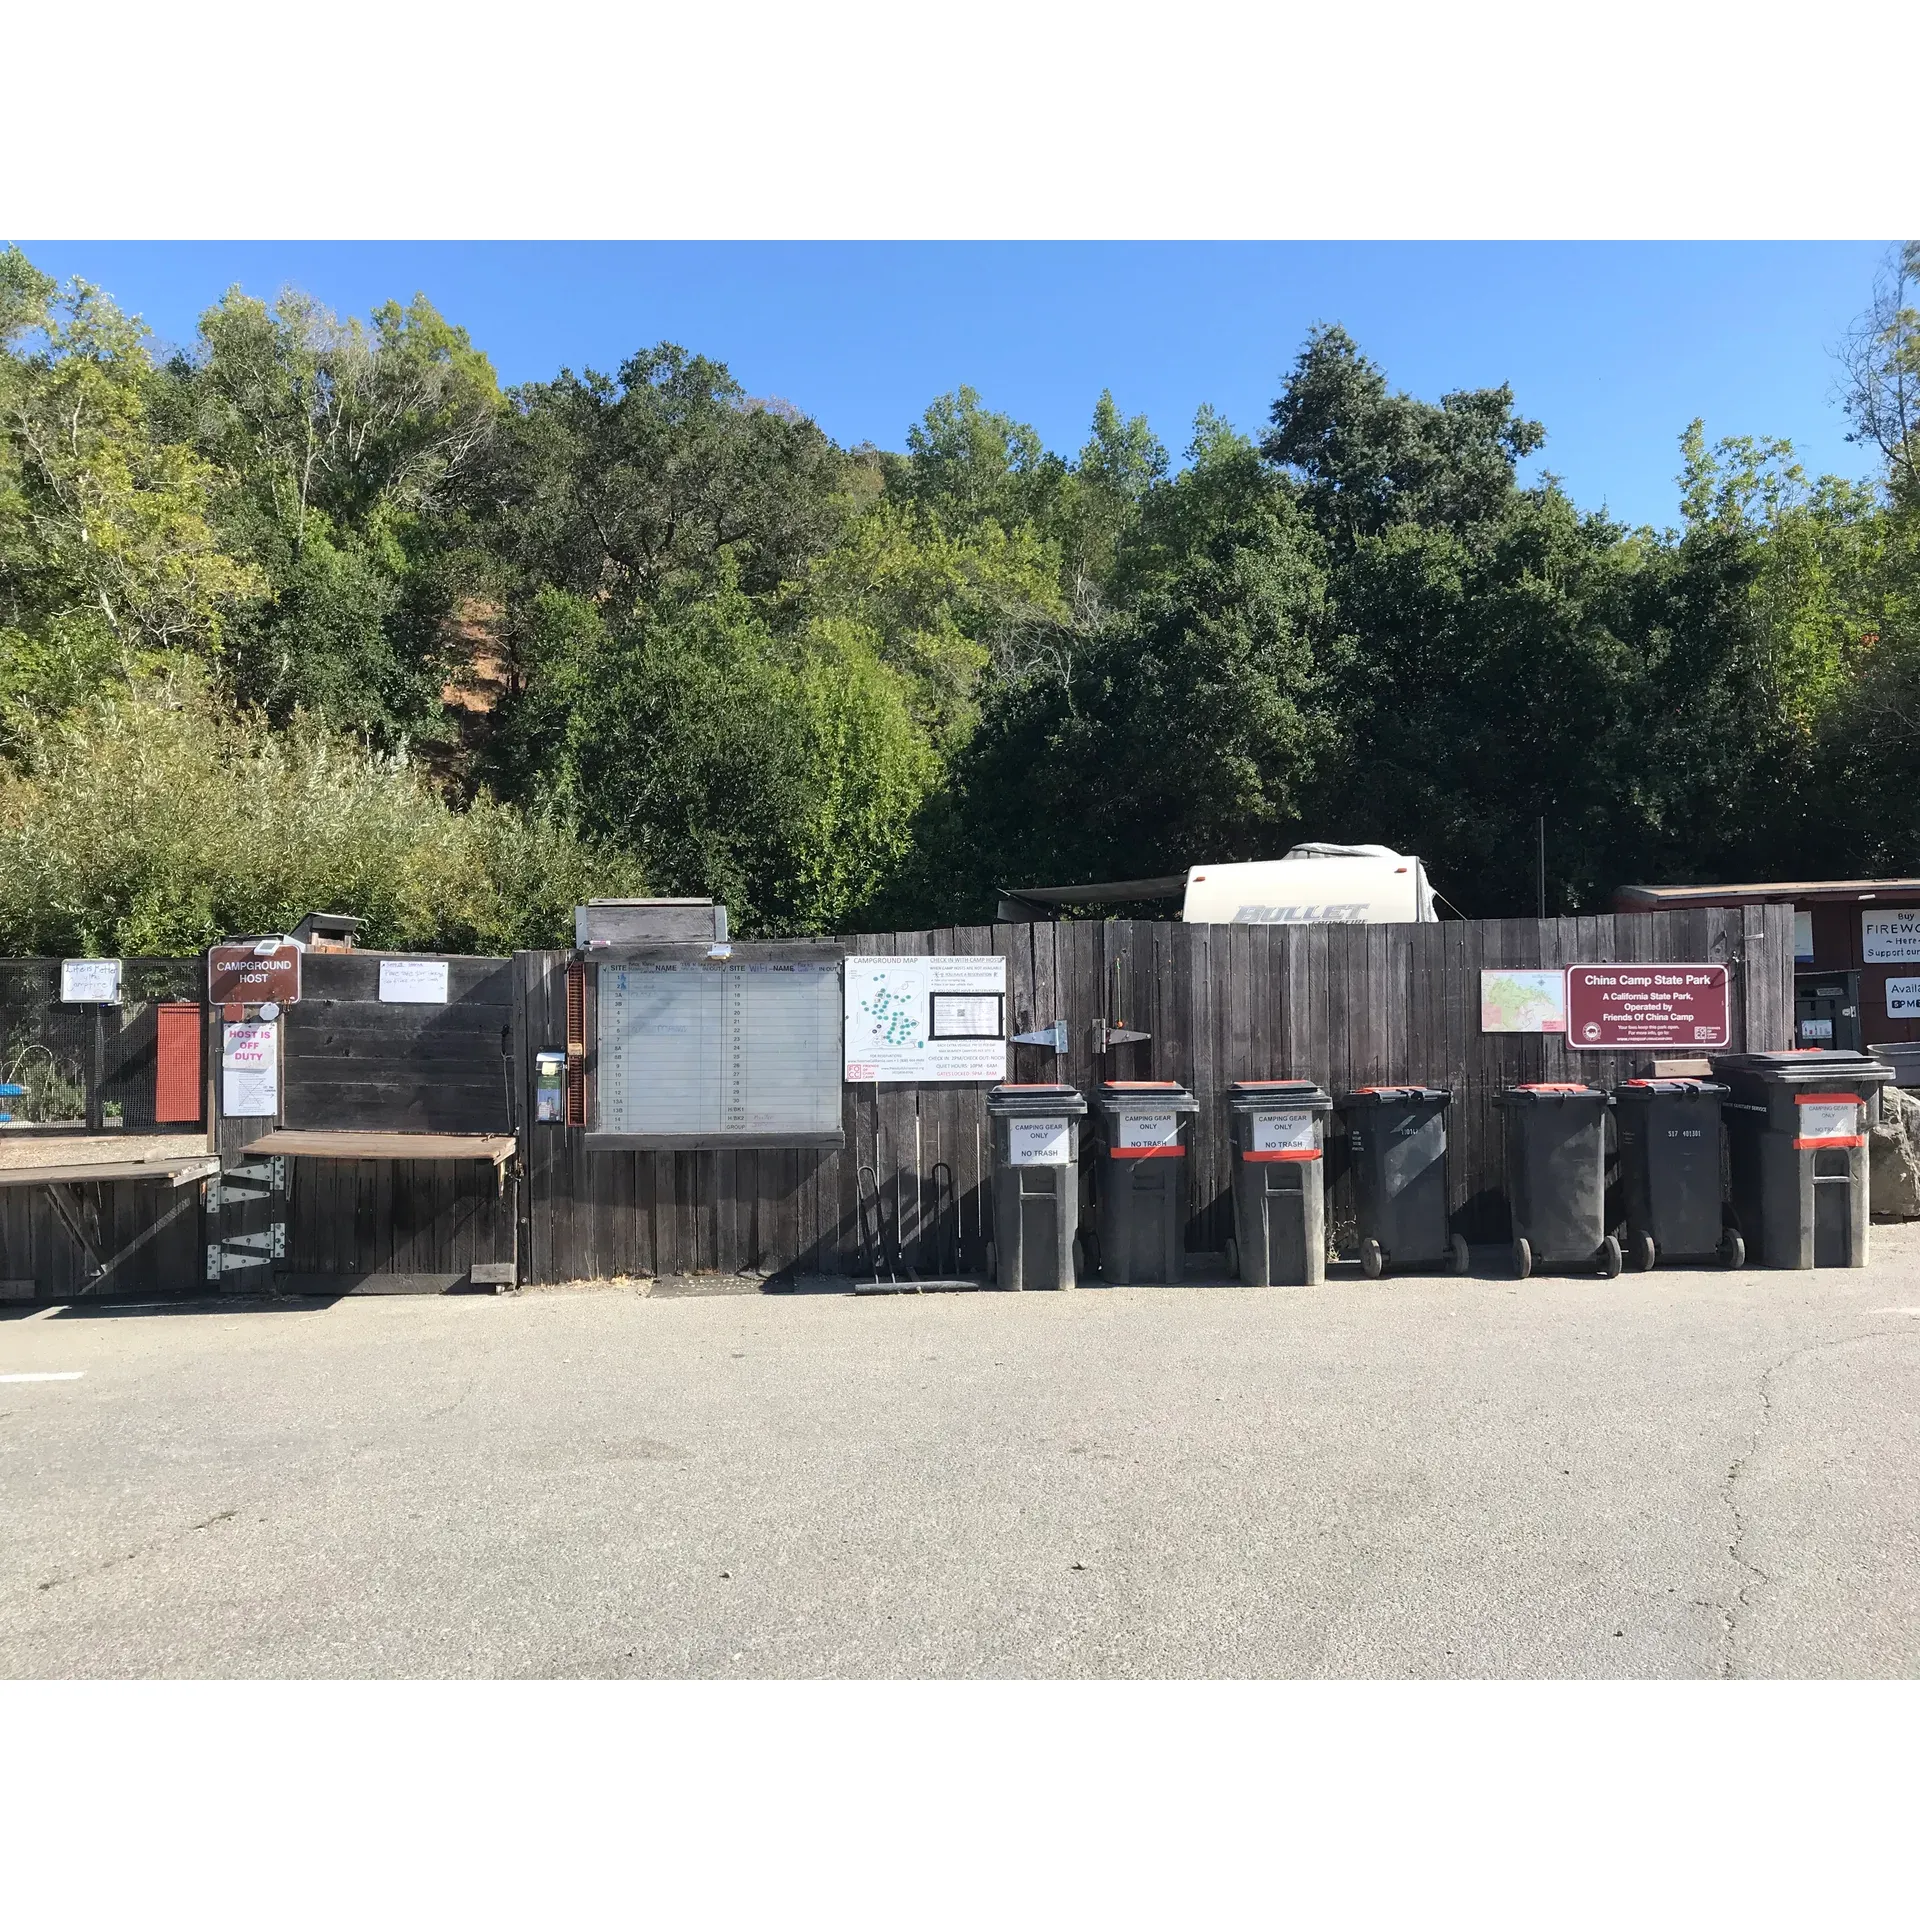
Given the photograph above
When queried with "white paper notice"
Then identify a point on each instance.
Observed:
(1040, 1143)
(1138, 1130)
(926, 1017)
(968, 1016)
(1889, 935)
(424, 980)
(90, 982)
(1837, 1119)
(1283, 1133)
(1903, 1000)
(250, 1069)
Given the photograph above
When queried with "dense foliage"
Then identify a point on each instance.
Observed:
(312, 614)
(156, 822)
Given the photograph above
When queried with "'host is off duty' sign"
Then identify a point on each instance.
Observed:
(1674, 1004)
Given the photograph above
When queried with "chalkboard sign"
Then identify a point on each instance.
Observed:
(717, 1053)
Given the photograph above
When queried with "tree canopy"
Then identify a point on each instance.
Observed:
(643, 629)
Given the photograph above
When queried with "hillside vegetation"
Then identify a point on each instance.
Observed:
(312, 614)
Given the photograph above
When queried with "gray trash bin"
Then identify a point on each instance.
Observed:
(1903, 1056)
(1557, 1175)
(1279, 1182)
(1669, 1133)
(1140, 1201)
(1036, 1185)
(1397, 1153)
(1797, 1152)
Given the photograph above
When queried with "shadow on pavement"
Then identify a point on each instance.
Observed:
(193, 1305)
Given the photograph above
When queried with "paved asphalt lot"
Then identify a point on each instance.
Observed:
(1695, 1474)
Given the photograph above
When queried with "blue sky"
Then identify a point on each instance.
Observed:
(1615, 347)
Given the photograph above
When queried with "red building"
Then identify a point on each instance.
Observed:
(1856, 951)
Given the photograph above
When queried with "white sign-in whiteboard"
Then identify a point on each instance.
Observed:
(718, 1050)
(414, 980)
(90, 982)
(919, 1016)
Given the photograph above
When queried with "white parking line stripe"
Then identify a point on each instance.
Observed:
(21, 1379)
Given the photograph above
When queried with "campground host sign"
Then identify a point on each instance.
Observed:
(254, 973)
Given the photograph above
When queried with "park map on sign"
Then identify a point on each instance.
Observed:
(1512, 1001)
(893, 1018)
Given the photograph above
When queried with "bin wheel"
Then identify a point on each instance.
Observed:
(993, 1261)
(1459, 1254)
(1522, 1259)
(1372, 1260)
(1733, 1250)
(1233, 1259)
(1645, 1253)
(1610, 1258)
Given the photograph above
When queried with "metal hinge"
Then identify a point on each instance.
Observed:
(243, 1252)
(1054, 1036)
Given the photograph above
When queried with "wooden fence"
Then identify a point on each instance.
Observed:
(1346, 1006)
(1342, 1005)
(94, 1069)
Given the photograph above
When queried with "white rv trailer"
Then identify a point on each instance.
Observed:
(1316, 881)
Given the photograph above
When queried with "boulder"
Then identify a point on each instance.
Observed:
(1893, 1156)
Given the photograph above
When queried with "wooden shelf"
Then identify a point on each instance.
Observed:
(346, 1144)
(176, 1172)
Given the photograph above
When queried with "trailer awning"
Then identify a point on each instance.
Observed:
(1030, 903)
(344, 1144)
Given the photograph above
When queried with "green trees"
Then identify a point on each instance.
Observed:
(1192, 714)
(207, 570)
(682, 677)
(338, 448)
(479, 653)
(628, 489)
(779, 771)
(160, 820)
(109, 555)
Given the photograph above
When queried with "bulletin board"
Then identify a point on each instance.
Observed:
(701, 1052)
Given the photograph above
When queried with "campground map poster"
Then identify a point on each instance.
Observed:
(926, 1017)
(1516, 1001)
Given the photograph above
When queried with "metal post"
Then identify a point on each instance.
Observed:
(1540, 821)
(97, 1079)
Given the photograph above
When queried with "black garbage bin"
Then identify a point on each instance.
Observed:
(1797, 1152)
(1556, 1176)
(1669, 1135)
(1036, 1185)
(1140, 1194)
(1279, 1182)
(1397, 1153)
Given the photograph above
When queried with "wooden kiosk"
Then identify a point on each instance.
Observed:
(366, 1122)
